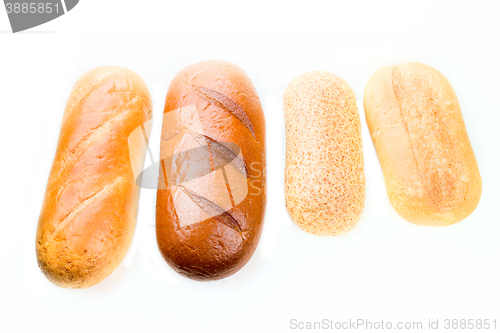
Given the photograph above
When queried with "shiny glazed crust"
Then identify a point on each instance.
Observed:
(324, 175)
(431, 174)
(89, 210)
(229, 111)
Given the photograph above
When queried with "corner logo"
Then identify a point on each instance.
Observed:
(26, 14)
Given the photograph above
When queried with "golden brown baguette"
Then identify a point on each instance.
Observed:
(431, 174)
(324, 175)
(211, 196)
(90, 205)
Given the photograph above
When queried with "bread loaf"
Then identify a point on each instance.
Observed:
(90, 204)
(324, 175)
(431, 174)
(211, 195)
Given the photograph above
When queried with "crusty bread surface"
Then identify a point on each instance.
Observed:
(431, 174)
(324, 175)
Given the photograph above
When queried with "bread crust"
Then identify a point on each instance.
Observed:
(324, 175)
(229, 112)
(89, 210)
(431, 174)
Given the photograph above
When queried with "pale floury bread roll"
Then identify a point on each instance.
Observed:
(431, 174)
(324, 175)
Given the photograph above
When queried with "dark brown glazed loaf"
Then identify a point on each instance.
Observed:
(211, 194)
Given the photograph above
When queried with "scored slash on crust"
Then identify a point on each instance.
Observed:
(212, 209)
(81, 206)
(222, 152)
(72, 156)
(222, 101)
(220, 155)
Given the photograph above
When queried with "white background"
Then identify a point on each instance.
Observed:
(385, 269)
